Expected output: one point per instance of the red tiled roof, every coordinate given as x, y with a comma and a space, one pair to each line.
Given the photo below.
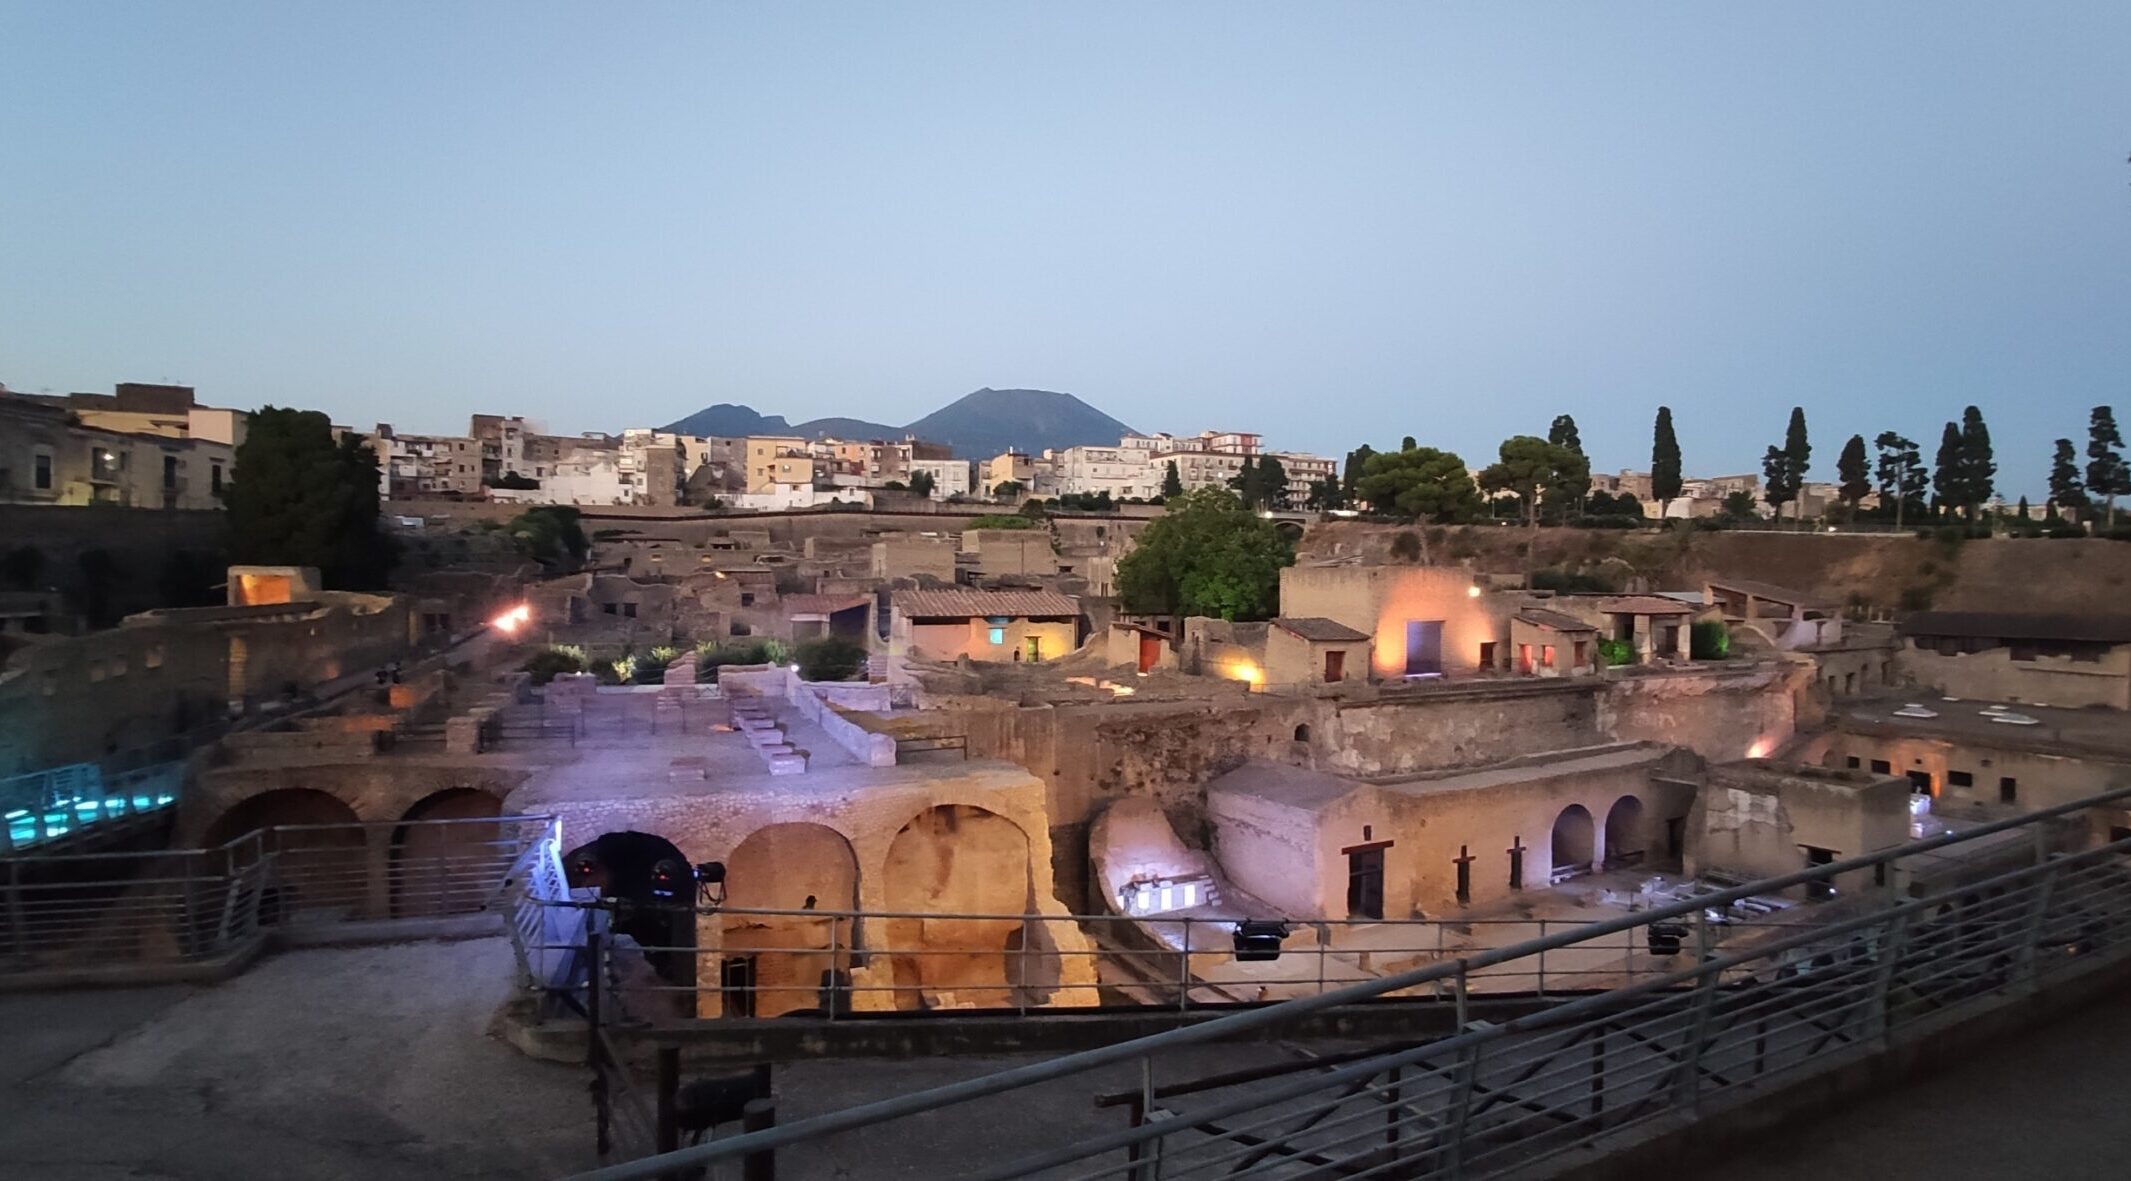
974, 604
1554, 620
821, 604
1320, 630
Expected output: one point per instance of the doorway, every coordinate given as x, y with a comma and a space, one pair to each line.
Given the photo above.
1035, 648
736, 980
1365, 882
1150, 651
1920, 783
1335, 667
1424, 647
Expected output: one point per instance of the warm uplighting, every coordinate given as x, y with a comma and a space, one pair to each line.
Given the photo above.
1246, 672
510, 621
1472, 592
1760, 748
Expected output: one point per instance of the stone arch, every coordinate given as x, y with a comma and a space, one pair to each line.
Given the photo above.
321, 862
441, 869
1574, 841
958, 859
1302, 731
794, 866
1627, 837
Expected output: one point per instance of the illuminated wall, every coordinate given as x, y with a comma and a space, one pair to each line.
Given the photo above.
1381, 600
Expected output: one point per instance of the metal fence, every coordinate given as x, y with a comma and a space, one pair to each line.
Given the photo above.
1936, 941
124, 914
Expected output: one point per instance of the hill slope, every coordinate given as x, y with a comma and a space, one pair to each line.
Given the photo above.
729, 421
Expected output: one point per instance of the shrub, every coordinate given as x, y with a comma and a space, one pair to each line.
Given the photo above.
616, 672
831, 658
1709, 640
710, 659
1615, 653
1569, 582
1406, 546
550, 663
1000, 521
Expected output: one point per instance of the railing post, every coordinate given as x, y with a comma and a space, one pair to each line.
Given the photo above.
760, 1115
2037, 917
1542, 958
602, 1140
1894, 943
669, 1084
1463, 1076
1183, 975
834, 998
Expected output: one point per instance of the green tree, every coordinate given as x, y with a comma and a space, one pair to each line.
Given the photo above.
1208, 555
2107, 476
1949, 486
1421, 484
1739, 506
2067, 489
830, 658
1357, 460
1325, 494
1664, 462
1407, 443
1563, 434
551, 534
1172, 482
1007, 489
1901, 473
1528, 465
1779, 481
299, 498
1979, 469
1272, 483
1570, 485
922, 484
1798, 457
1855, 472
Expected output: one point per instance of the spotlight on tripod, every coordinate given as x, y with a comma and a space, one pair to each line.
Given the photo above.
710, 883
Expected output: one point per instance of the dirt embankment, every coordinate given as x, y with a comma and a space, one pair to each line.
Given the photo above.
1869, 572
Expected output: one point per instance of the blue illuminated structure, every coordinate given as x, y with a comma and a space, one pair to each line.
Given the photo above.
47, 805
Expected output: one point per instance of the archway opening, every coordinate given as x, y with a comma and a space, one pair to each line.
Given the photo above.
956, 861
1626, 841
787, 962
320, 865
1574, 842
448, 854
1302, 732
656, 885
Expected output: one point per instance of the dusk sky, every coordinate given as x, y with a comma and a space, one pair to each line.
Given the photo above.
1332, 224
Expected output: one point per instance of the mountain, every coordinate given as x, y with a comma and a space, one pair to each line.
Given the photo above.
984, 423
729, 421
977, 425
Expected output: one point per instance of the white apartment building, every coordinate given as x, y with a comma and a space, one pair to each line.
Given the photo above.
1197, 469
950, 477
1120, 471
1302, 471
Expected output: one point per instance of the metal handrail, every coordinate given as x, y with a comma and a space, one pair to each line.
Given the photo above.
1231, 1026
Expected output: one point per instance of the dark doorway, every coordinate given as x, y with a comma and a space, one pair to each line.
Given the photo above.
1365, 882
736, 979
1824, 887
1487, 654
1464, 875
1516, 863
1424, 647
1920, 783
1335, 667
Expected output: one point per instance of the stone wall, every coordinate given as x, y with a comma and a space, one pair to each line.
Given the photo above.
1465, 728
1721, 715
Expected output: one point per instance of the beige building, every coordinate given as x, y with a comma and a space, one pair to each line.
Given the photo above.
45, 458
1755, 819
778, 459
1425, 620
414, 467
2061, 660
913, 557
1430, 846
1312, 651
1010, 551
1015, 466
946, 625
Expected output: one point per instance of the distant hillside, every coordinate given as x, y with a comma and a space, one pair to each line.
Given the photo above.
977, 425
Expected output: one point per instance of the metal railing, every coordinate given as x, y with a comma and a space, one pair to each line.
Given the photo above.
120, 912
1924, 942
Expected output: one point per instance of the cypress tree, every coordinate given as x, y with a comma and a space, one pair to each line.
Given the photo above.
1664, 462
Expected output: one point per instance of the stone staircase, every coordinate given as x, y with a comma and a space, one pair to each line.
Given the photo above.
759, 719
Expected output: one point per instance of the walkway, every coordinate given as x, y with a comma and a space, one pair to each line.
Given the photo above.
2048, 1106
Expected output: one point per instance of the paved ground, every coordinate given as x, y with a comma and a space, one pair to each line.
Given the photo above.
2050, 1106
354, 1063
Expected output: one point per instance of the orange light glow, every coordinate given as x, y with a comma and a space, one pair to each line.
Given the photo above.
510, 621
1760, 748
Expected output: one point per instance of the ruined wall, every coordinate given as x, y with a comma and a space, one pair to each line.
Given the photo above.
2038, 779
1720, 715
1433, 731
1993, 675
1269, 848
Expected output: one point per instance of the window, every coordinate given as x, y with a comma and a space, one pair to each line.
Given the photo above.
1580, 650
2008, 789
1546, 656
747, 598
997, 635
629, 610
1960, 779
1882, 767
43, 471
1853, 762
739, 628
170, 471
610, 608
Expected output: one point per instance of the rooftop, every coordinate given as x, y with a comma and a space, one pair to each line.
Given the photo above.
1554, 620
1319, 630
2099, 732
1766, 590
1644, 605
2018, 625
972, 604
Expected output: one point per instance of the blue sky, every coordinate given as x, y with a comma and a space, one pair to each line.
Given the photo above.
1329, 223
